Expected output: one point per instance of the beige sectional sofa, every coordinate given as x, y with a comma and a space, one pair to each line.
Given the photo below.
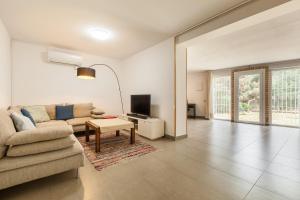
82, 113
49, 149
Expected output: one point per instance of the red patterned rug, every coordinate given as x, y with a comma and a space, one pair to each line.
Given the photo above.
113, 149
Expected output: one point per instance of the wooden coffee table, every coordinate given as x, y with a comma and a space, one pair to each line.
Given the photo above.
108, 125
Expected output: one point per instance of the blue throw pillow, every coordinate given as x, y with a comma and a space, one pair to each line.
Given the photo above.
64, 112
27, 114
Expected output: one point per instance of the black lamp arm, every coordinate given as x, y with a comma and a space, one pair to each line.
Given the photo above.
117, 78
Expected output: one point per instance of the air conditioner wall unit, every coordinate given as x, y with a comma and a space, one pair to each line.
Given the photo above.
64, 58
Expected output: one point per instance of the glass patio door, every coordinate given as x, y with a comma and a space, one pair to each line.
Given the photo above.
286, 97
221, 97
249, 96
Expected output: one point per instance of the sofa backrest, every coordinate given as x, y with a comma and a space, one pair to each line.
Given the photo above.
80, 110
7, 129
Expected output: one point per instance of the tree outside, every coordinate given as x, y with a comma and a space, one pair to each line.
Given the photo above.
249, 97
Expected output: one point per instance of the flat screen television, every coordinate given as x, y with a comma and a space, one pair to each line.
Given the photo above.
140, 104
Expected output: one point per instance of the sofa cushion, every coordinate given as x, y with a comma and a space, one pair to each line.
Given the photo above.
40, 147
7, 129
10, 163
64, 112
52, 123
39, 134
98, 111
38, 113
27, 114
78, 121
98, 116
78, 128
83, 110
21, 122
51, 110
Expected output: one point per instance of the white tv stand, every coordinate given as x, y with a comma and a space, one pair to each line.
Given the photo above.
151, 128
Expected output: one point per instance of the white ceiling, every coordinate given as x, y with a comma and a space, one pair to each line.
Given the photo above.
136, 24
276, 39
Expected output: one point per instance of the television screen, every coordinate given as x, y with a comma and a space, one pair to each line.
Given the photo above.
140, 104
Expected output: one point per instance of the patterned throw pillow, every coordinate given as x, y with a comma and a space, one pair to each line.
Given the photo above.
64, 112
27, 114
21, 122
38, 113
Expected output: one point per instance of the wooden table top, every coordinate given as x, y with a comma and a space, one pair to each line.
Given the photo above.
114, 124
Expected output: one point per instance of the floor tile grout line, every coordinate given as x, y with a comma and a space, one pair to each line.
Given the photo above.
254, 141
262, 171
265, 134
219, 146
243, 164
265, 169
280, 176
289, 157
207, 164
224, 171
238, 151
287, 198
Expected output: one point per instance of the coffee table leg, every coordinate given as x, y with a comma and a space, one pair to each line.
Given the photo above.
118, 133
132, 136
98, 140
87, 133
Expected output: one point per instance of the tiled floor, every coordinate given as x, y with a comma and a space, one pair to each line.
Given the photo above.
218, 161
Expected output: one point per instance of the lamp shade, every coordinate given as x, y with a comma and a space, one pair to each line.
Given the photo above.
86, 73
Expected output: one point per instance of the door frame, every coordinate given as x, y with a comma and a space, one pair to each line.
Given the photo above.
262, 102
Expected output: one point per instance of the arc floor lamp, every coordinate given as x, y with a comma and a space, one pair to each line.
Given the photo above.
90, 73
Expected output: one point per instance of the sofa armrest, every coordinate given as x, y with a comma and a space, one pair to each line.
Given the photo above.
40, 134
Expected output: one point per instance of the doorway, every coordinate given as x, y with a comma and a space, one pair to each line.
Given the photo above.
249, 96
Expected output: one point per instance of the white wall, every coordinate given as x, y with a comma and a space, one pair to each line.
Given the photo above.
197, 91
36, 81
181, 92
152, 72
5, 67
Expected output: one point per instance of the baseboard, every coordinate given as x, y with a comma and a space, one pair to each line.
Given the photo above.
197, 117
176, 138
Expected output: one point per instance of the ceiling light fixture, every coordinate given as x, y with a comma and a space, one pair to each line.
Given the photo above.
99, 33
